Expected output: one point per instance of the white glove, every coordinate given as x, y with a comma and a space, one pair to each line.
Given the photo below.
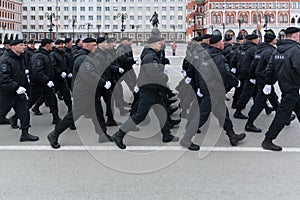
169, 83
136, 89
253, 81
199, 93
21, 90
267, 89
50, 84
121, 71
70, 75
63, 75
239, 84
26, 71
107, 85
233, 70
183, 72
166, 72
187, 80
135, 59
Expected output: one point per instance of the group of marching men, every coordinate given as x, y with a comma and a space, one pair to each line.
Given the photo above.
93, 69
252, 67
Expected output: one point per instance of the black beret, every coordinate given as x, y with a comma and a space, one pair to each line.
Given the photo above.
197, 39
228, 38
215, 39
269, 34
251, 37
46, 41
100, 39
30, 42
89, 40
6, 42
153, 39
15, 42
239, 37
68, 40
290, 30
206, 36
109, 40
59, 41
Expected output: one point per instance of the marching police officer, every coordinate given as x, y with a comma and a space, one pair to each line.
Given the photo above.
284, 66
257, 72
150, 82
6, 47
69, 60
245, 57
42, 76
13, 84
88, 83
62, 72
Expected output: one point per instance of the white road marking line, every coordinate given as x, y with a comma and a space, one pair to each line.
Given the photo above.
139, 148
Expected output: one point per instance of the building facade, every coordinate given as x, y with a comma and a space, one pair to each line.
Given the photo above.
10, 20
82, 18
238, 17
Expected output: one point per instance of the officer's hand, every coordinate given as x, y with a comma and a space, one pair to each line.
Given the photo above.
183, 72
187, 80
136, 89
169, 83
267, 89
70, 75
21, 90
233, 70
63, 75
107, 85
26, 71
199, 93
121, 70
50, 84
253, 81
239, 84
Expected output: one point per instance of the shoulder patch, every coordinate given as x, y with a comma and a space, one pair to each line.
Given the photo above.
4, 67
38, 62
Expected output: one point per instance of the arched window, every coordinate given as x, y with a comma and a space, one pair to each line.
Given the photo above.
255, 19
244, 19
293, 20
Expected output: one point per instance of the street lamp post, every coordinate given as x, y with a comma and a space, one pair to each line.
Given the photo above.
50, 16
88, 29
240, 22
174, 26
73, 20
223, 30
123, 17
194, 24
98, 27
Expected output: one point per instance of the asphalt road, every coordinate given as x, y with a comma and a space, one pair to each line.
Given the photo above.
150, 169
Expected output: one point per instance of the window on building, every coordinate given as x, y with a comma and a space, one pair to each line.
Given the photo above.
66, 26
180, 9
32, 17
74, 8
131, 17
66, 17
66, 8
99, 18
172, 17
107, 17
82, 8
163, 17
99, 8
41, 8
24, 17
164, 8
180, 17
115, 27
41, 27
24, 27
140, 17
107, 8
107, 27
32, 36
24, 8
179, 27
172, 8
148, 9
131, 9
41, 17
32, 8
140, 9
91, 17
164, 26
82, 17
49, 8
123, 9
32, 26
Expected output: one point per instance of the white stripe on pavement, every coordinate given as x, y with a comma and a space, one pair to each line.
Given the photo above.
139, 148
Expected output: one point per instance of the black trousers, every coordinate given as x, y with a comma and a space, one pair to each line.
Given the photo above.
290, 102
20, 105
260, 102
37, 90
247, 93
146, 100
84, 106
62, 86
107, 97
237, 93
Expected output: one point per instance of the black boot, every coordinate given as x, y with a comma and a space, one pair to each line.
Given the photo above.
235, 138
53, 140
189, 144
72, 126
56, 118
13, 120
251, 128
168, 137
268, 110
268, 145
112, 123
239, 115
118, 139
25, 136
36, 110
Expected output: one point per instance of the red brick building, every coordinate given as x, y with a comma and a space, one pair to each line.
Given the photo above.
234, 17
